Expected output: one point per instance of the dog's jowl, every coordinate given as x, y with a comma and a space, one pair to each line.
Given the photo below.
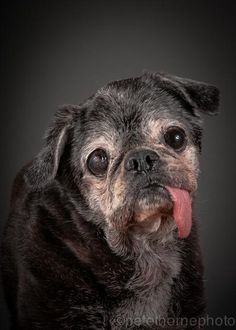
101, 233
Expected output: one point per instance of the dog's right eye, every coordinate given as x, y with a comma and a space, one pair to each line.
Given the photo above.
97, 162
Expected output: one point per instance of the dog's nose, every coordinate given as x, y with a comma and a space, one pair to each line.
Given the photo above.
141, 160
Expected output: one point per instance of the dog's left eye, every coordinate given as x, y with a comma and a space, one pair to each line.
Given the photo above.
175, 137
97, 162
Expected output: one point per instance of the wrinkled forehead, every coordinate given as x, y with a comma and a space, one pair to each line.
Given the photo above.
121, 114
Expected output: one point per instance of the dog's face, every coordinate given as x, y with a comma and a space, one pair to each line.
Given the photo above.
131, 146
130, 142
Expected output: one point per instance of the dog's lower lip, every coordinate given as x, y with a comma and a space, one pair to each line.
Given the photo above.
153, 184
153, 202
156, 188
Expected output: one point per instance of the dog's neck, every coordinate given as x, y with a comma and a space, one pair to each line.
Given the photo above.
154, 259
157, 264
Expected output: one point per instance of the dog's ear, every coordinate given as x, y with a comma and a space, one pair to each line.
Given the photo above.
45, 165
199, 95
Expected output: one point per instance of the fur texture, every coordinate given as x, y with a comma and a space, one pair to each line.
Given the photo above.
75, 253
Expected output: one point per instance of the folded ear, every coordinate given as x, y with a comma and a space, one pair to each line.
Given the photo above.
199, 95
45, 165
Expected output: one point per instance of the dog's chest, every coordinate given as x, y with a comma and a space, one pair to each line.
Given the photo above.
151, 285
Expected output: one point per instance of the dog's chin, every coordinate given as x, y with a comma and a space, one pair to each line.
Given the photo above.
153, 211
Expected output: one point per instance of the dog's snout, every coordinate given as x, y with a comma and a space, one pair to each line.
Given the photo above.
141, 160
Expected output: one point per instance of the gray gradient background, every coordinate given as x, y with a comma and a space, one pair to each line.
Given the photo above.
62, 52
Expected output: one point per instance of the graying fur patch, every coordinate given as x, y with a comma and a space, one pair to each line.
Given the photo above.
157, 264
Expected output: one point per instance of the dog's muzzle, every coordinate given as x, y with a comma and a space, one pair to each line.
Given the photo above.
155, 201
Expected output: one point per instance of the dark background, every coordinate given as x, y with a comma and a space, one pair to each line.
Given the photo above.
63, 51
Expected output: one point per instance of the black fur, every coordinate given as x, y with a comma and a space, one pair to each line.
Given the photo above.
59, 271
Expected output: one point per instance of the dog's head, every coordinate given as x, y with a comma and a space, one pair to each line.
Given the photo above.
133, 152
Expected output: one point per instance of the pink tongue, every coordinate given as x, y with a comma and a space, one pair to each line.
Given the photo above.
182, 210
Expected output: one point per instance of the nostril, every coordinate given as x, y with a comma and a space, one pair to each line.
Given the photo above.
135, 165
132, 165
149, 161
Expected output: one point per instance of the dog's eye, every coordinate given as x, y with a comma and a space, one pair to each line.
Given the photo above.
175, 137
97, 162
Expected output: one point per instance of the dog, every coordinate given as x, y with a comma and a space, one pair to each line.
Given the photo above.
101, 233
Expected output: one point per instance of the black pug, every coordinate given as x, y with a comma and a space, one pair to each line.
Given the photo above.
100, 233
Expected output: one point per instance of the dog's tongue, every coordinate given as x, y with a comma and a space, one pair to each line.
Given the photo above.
182, 210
